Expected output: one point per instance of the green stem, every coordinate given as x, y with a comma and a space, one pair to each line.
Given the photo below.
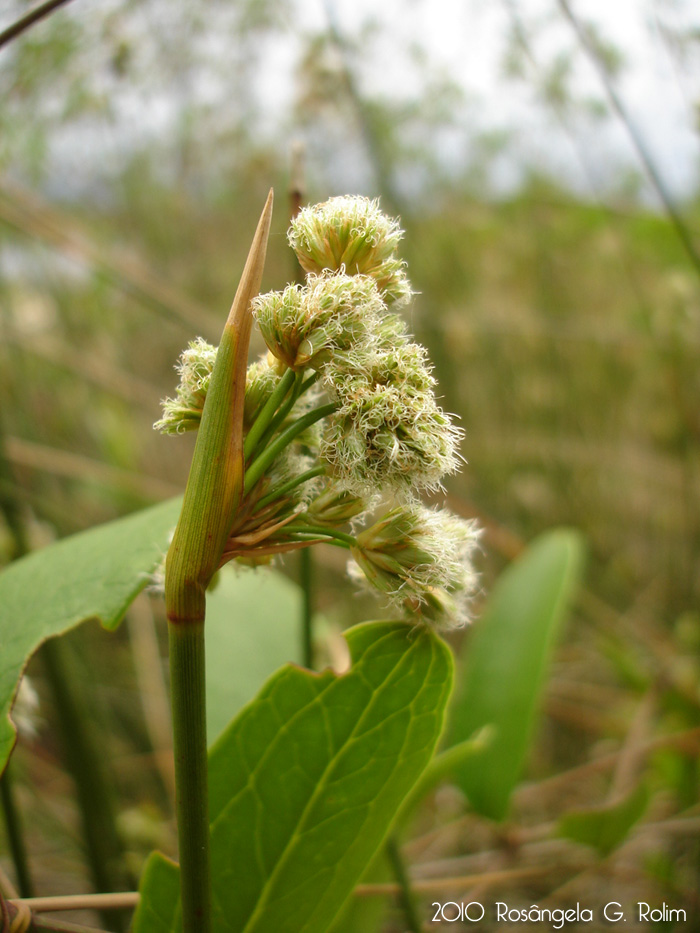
15, 836
407, 896
312, 379
340, 536
86, 766
299, 388
290, 485
212, 499
267, 413
301, 536
306, 577
188, 697
267, 456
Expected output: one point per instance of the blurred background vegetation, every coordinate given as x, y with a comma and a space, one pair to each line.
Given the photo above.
556, 261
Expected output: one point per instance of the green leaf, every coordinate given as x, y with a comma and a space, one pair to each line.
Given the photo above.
367, 913
160, 911
506, 661
305, 783
92, 575
605, 828
252, 629
441, 767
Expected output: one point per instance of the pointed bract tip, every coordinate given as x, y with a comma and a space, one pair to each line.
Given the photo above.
249, 285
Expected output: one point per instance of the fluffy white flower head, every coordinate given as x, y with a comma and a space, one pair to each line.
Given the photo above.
351, 234
421, 559
333, 312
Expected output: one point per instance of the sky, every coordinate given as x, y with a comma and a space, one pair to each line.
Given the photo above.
465, 41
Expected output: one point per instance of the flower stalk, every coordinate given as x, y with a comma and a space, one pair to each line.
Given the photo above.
294, 450
212, 498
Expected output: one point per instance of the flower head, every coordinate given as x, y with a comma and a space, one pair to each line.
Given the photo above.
184, 412
261, 378
333, 312
388, 431
312, 463
351, 234
420, 559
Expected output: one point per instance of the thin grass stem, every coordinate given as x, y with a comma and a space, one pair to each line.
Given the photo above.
267, 413
299, 389
407, 896
290, 485
256, 469
306, 580
313, 530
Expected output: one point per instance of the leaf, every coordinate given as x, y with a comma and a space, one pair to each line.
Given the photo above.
160, 912
306, 781
366, 913
92, 575
441, 767
506, 661
252, 629
605, 828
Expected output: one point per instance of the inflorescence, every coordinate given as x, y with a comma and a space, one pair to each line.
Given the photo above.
341, 414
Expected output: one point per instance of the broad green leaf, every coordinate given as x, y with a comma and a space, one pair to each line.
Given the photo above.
160, 912
443, 766
92, 575
306, 781
366, 914
253, 628
506, 661
605, 828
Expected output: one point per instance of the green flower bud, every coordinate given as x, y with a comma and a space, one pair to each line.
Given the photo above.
421, 559
335, 506
352, 235
279, 316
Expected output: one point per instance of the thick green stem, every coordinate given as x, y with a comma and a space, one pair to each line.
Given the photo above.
212, 498
188, 698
